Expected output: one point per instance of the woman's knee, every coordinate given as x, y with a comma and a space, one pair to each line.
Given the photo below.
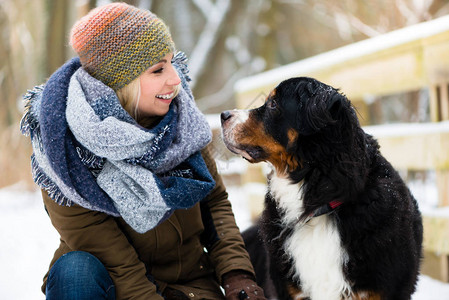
79, 275
78, 264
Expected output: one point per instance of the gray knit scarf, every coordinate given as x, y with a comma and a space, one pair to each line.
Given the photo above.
146, 173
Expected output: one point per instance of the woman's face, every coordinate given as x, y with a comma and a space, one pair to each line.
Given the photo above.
157, 88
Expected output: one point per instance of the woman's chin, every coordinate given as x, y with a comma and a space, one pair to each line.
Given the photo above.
165, 101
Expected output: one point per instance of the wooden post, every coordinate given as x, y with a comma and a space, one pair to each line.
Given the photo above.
445, 268
444, 102
442, 178
434, 100
439, 101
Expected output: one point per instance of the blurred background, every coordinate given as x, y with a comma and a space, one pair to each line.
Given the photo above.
225, 40
390, 57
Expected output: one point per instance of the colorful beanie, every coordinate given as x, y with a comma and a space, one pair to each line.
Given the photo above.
117, 42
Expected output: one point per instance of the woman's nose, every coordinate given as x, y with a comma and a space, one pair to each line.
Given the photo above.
173, 77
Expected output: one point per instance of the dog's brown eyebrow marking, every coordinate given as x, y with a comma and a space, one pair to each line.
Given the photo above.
292, 135
271, 94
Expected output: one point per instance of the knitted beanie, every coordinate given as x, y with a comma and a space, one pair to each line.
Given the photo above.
117, 42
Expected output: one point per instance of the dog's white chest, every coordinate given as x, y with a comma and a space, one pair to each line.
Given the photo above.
315, 248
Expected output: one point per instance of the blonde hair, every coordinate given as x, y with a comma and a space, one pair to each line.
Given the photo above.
129, 97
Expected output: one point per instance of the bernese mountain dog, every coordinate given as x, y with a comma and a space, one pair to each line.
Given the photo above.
339, 222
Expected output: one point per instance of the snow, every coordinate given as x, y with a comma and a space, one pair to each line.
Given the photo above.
345, 53
214, 121
29, 241
406, 129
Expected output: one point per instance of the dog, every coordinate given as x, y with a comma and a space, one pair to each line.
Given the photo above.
338, 220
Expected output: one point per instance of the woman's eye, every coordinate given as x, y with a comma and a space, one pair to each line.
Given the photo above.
158, 70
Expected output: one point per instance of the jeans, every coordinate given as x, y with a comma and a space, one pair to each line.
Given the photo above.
79, 275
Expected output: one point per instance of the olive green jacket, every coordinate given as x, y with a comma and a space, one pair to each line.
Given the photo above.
190, 251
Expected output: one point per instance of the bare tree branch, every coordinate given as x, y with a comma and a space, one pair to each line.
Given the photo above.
340, 16
442, 11
222, 96
423, 9
205, 6
363, 27
409, 15
145, 4
207, 38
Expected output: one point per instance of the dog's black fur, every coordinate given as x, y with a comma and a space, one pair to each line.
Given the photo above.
326, 150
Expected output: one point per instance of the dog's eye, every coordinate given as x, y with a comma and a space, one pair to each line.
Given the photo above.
272, 104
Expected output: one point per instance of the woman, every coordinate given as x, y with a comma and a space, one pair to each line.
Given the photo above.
120, 152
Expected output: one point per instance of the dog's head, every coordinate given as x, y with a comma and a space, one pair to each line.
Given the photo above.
302, 122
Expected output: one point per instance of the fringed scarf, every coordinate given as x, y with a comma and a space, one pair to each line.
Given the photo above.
89, 151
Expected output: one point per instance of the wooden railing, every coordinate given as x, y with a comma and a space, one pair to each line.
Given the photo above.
424, 147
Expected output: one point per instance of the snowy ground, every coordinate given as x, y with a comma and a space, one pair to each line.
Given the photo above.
28, 241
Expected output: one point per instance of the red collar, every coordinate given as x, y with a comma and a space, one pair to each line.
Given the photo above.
323, 209
326, 208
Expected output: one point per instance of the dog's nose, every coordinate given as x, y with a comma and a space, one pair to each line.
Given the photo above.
226, 115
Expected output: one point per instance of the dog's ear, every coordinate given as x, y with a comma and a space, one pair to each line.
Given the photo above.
335, 103
342, 112
315, 111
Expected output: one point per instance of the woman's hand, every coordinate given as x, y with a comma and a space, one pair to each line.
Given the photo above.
240, 285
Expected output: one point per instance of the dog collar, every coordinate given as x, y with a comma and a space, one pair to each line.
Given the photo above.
322, 210
326, 208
